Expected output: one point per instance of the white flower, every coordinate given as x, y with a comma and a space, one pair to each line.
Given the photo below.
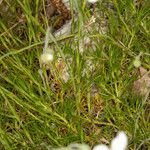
101, 147
46, 56
92, 1
137, 62
118, 143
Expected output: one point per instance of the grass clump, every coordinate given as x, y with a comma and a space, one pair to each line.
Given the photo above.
89, 108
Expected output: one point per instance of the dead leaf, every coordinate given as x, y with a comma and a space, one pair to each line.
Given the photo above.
1, 1
142, 85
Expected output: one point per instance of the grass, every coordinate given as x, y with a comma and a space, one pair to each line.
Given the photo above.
33, 116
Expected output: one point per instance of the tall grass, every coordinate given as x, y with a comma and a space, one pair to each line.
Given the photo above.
33, 115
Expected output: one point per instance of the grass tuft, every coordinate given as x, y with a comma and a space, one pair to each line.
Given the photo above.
89, 108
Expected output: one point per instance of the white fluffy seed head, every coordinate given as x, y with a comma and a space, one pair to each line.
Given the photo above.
47, 56
101, 147
137, 62
119, 142
92, 1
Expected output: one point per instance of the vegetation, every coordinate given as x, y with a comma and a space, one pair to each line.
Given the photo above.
89, 108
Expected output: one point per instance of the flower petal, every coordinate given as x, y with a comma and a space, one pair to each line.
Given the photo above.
120, 142
101, 147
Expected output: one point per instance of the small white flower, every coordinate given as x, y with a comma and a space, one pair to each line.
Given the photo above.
120, 142
101, 147
92, 1
46, 56
137, 62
